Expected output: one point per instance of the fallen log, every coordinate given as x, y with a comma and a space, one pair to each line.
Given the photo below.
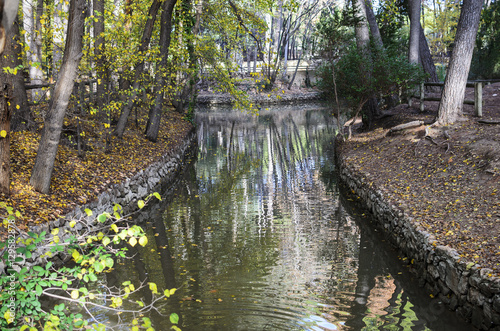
405, 126
489, 121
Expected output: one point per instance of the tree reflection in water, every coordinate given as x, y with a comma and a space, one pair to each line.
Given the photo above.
256, 236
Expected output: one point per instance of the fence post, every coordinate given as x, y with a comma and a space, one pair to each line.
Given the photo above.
478, 98
82, 95
422, 97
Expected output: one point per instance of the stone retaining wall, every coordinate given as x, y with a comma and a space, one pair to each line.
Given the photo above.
225, 98
471, 291
126, 194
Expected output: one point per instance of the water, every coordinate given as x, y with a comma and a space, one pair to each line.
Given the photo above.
256, 236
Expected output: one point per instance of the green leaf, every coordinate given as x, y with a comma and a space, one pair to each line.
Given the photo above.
37, 268
102, 218
174, 318
140, 203
109, 262
38, 290
88, 212
157, 195
147, 322
98, 266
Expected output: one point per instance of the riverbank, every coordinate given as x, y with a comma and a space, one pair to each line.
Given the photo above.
438, 199
273, 97
78, 180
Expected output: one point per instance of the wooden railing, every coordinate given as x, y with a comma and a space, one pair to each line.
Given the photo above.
477, 102
79, 91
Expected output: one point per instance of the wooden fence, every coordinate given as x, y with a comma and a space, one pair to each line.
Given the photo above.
477, 102
79, 91
478, 94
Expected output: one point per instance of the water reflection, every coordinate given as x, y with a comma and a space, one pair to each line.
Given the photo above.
257, 237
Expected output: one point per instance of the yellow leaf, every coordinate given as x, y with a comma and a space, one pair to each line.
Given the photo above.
132, 241
72, 224
9, 316
75, 294
114, 228
76, 255
153, 288
143, 241
3, 133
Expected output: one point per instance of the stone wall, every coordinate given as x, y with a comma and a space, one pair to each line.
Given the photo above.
466, 288
206, 98
127, 193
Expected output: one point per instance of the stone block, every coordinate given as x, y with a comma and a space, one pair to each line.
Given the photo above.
463, 285
476, 297
452, 276
496, 303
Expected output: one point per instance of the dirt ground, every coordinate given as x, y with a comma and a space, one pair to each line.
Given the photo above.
449, 184
78, 180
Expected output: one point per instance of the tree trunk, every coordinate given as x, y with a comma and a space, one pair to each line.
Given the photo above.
49, 141
370, 16
370, 108
8, 13
59, 29
146, 37
160, 79
413, 49
31, 53
426, 58
99, 57
5, 114
22, 118
452, 99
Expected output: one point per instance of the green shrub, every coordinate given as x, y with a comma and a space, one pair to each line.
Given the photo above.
92, 253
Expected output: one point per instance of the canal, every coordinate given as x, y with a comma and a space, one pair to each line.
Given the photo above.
257, 235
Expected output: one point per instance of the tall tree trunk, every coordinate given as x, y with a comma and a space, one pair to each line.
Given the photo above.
48, 44
8, 13
59, 29
426, 58
160, 77
370, 108
5, 115
370, 16
139, 68
6, 60
47, 150
452, 99
186, 97
99, 57
22, 118
36, 72
413, 49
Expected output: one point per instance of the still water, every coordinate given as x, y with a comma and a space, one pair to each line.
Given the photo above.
257, 236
